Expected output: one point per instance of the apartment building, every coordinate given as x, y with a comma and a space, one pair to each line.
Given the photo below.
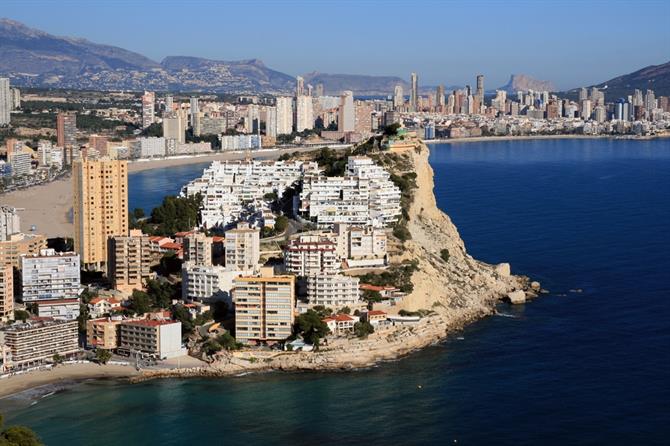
18, 245
157, 338
333, 290
311, 254
60, 309
50, 275
208, 283
103, 333
36, 342
198, 249
264, 307
10, 223
242, 247
6, 293
129, 261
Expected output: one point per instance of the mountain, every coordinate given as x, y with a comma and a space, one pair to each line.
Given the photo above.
361, 85
522, 82
34, 58
654, 77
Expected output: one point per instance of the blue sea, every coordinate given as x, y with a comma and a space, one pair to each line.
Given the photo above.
587, 364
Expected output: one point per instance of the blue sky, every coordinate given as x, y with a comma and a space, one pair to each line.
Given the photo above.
569, 42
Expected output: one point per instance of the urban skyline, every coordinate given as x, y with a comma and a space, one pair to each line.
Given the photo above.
444, 59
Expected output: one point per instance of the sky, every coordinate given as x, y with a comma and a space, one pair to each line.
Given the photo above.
569, 42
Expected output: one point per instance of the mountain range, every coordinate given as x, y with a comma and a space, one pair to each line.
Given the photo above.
34, 58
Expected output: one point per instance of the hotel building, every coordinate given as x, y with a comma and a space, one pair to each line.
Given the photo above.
37, 341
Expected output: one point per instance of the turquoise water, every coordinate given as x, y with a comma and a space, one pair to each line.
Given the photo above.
589, 367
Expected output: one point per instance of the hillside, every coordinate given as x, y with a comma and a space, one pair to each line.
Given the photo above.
654, 77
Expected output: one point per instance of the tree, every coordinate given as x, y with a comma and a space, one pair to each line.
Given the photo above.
138, 213
155, 129
311, 327
228, 342
103, 355
219, 310
281, 223
139, 302
57, 359
345, 310
363, 329
445, 255
391, 130
21, 315
18, 436
160, 293
170, 264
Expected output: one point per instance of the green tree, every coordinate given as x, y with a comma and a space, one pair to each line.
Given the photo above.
170, 264
139, 302
21, 315
18, 436
391, 130
311, 327
57, 359
155, 129
363, 329
138, 213
281, 223
228, 342
103, 355
160, 293
346, 310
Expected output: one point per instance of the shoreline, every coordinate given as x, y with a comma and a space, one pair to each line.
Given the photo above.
535, 137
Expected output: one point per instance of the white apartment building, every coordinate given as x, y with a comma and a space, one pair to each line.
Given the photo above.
208, 283
10, 223
333, 290
310, 255
284, 115
242, 248
361, 246
157, 338
21, 163
366, 196
50, 275
240, 142
5, 101
304, 114
150, 147
61, 309
346, 121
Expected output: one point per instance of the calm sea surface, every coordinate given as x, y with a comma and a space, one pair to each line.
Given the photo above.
578, 368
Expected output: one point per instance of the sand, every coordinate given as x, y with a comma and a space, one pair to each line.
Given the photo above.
65, 373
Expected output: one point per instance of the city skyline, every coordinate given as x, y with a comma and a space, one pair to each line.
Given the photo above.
449, 55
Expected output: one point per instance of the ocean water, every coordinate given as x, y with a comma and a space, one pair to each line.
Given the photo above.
587, 364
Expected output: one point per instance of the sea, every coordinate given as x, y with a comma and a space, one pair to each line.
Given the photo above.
586, 364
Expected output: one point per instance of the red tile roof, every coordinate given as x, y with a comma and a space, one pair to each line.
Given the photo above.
57, 302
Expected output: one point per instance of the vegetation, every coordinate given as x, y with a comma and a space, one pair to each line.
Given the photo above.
223, 342
401, 232
103, 356
212, 139
21, 315
420, 313
333, 163
363, 329
181, 314
444, 254
84, 314
398, 276
17, 436
290, 137
158, 296
57, 359
175, 214
371, 296
155, 129
311, 327
391, 130
169, 264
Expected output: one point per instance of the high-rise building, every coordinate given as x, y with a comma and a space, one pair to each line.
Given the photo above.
271, 121
100, 207
583, 94
36, 342
50, 275
6, 293
157, 338
99, 144
439, 98
263, 307
299, 86
169, 103
242, 246
398, 97
10, 223
195, 116
5, 101
198, 249
66, 130
304, 116
311, 254
129, 261
414, 92
363, 118
320, 90
346, 119
284, 115
16, 98
480, 88
173, 127
148, 108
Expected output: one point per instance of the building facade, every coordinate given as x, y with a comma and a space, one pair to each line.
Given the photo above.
157, 338
242, 246
333, 290
129, 261
36, 342
50, 275
10, 223
6, 293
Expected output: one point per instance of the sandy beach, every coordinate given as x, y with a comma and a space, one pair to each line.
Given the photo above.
65, 373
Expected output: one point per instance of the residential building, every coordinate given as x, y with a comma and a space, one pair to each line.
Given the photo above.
341, 324
310, 255
174, 127
50, 275
5, 101
333, 290
6, 293
195, 116
60, 309
100, 207
99, 144
21, 163
208, 283
264, 307
35, 342
198, 249
103, 333
240, 142
304, 115
129, 261
66, 130
100, 306
414, 92
10, 223
346, 121
148, 109
363, 124
150, 147
18, 245
398, 97
157, 338
284, 115
242, 247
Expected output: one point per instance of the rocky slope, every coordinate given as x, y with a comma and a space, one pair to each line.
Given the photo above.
522, 82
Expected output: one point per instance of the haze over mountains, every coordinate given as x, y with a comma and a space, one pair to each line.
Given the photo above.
35, 58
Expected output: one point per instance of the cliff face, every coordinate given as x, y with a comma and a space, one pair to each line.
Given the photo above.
456, 286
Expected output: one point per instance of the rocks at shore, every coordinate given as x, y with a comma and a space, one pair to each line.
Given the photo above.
517, 297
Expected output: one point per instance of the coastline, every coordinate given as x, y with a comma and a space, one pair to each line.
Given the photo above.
534, 137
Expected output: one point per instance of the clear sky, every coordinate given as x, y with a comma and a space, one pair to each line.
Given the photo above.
569, 42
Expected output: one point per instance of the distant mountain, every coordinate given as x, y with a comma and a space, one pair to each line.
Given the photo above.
521, 82
34, 58
654, 77
361, 85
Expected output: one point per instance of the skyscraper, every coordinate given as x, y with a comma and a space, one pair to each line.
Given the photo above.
173, 127
398, 97
66, 129
414, 93
480, 89
319, 89
100, 207
439, 98
271, 121
304, 116
346, 118
195, 116
148, 116
299, 86
169, 103
5, 101
284, 115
